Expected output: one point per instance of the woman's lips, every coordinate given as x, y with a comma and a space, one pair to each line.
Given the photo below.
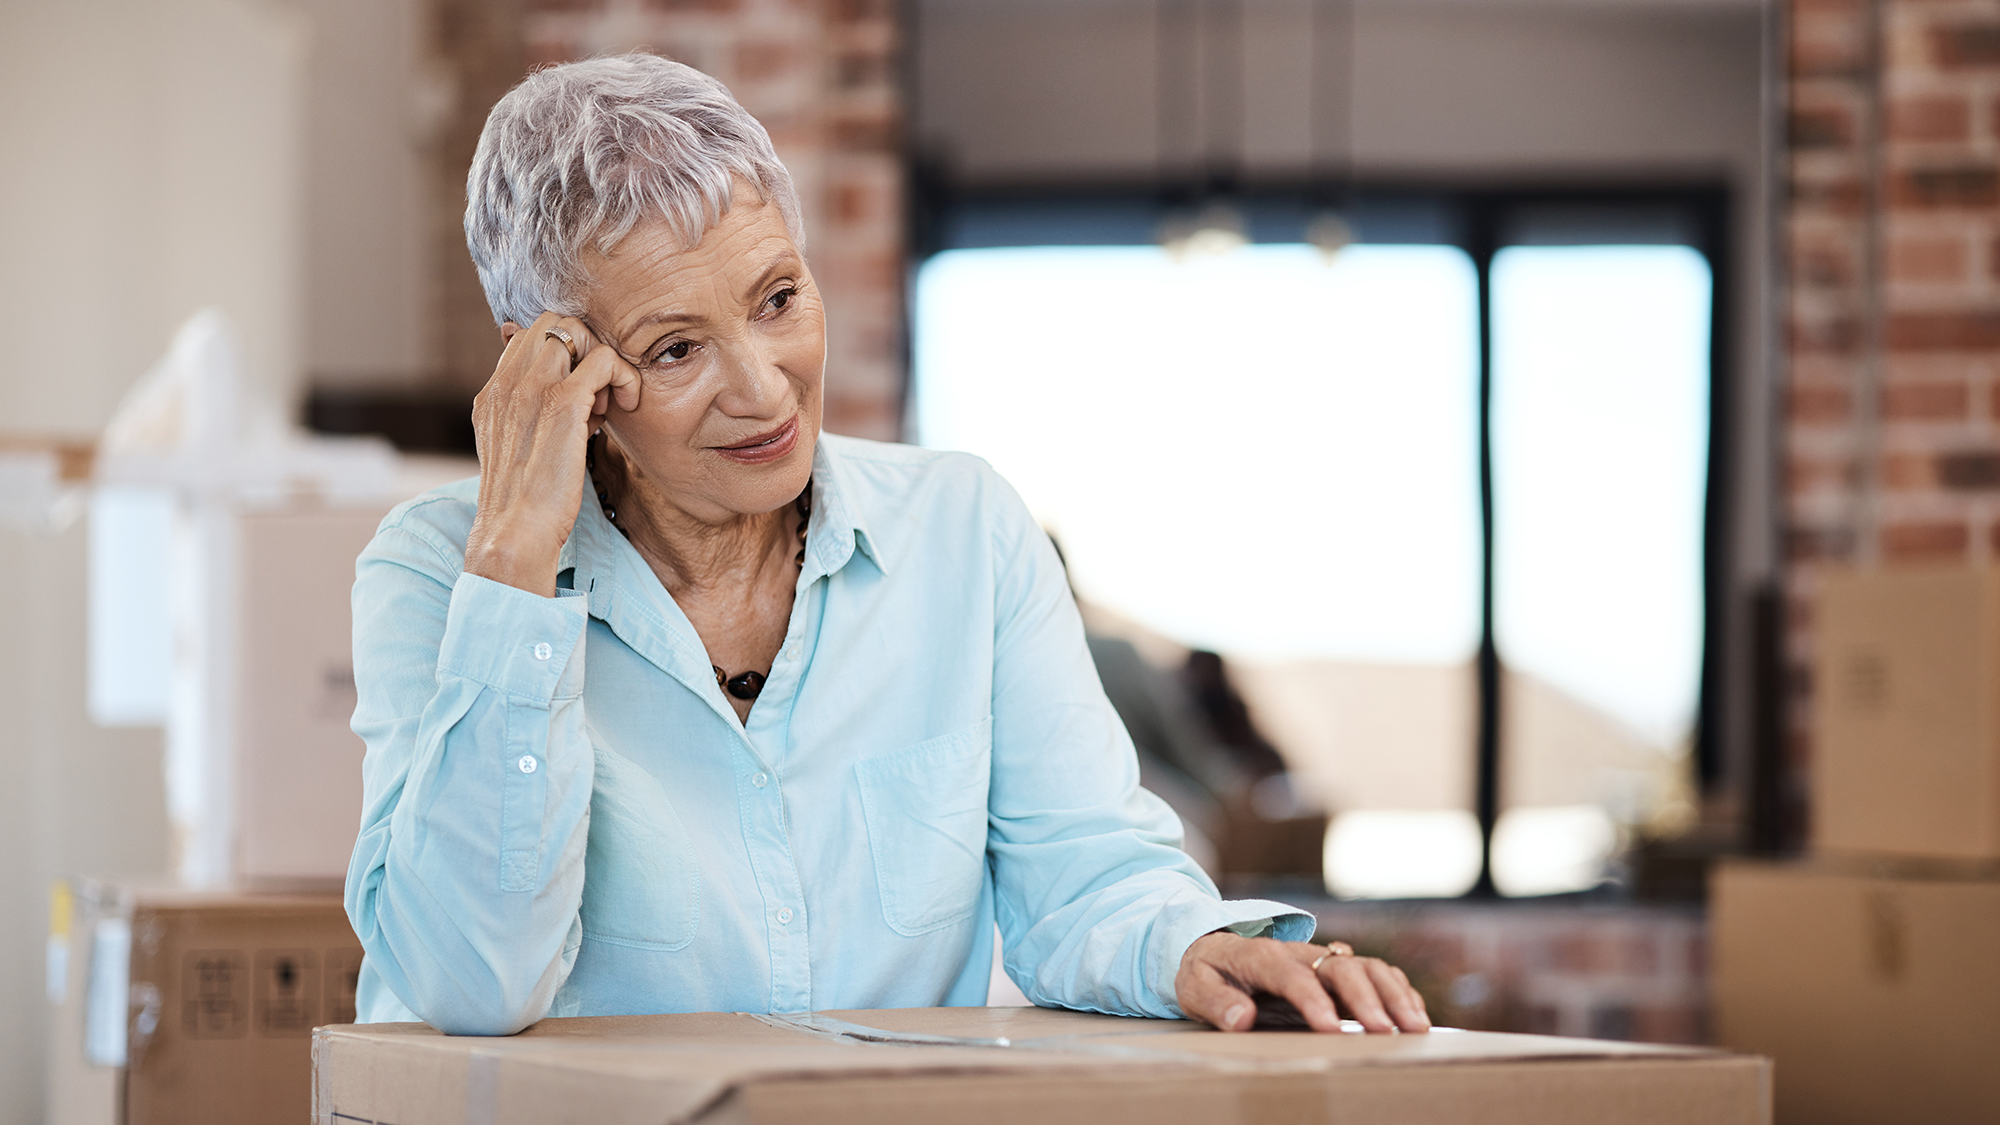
763, 448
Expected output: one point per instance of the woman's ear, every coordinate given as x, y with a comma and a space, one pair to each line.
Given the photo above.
507, 331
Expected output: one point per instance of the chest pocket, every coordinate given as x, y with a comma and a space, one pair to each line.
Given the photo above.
641, 887
926, 811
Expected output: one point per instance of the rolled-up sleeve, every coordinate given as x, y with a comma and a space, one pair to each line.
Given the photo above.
1095, 899
467, 877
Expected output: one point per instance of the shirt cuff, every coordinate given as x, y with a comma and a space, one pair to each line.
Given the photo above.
513, 641
1196, 916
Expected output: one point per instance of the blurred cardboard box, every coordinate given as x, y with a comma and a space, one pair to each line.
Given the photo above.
1010, 1065
298, 766
176, 1007
1876, 995
1906, 756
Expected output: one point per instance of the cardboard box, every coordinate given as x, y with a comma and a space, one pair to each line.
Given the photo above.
1877, 996
1012, 1065
1906, 757
179, 1006
298, 766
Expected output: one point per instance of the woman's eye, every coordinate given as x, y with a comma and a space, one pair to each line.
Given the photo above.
780, 299
677, 350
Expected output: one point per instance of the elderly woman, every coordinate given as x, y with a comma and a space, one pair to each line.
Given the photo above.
684, 706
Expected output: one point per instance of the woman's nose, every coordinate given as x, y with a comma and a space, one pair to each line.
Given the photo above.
753, 383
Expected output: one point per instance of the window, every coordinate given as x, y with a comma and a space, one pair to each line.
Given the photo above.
1275, 452
1600, 468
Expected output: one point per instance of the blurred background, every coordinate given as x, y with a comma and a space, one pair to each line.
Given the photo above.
1445, 408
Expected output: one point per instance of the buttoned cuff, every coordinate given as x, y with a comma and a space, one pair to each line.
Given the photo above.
513, 641
1249, 917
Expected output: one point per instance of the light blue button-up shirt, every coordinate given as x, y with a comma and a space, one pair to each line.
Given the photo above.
563, 815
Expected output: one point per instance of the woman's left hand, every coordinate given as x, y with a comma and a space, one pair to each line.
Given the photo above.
1222, 972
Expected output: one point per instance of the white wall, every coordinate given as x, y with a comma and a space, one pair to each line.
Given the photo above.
148, 167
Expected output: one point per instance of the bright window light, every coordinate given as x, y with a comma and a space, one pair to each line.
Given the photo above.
1552, 850
1402, 853
1600, 434
1257, 453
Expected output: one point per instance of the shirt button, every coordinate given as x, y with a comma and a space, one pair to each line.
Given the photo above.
784, 915
760, 779
792, 653
527, 763
543, 651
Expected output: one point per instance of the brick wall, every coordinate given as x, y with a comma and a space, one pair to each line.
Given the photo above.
822, 77
1893, 436
1606, 972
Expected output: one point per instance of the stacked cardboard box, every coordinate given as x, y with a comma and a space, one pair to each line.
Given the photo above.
1871, 972
181, 1006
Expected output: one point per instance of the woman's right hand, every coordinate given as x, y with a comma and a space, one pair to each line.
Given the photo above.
532, 423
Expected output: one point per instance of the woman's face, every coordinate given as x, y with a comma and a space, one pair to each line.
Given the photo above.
729, 338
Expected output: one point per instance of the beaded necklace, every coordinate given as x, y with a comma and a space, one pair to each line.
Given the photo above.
743, 685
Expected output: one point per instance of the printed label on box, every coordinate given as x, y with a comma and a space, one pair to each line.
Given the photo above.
287, 992
215, 987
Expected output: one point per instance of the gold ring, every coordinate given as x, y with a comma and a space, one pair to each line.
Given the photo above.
1333, 949
567, 342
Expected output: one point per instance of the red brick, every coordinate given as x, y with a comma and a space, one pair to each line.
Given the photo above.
1835, 334
1811, 544
1969, 470
1818, 404
1967, 45
1908, 472
1823, 262
1928, 258
762, 59
857, 68
1828, 37
1822, 127
853, 202
866, 134
866, 416
1928, 539
1942, 117
1843, 196
1925, 402
1810, 474
1970, 330
1967, 185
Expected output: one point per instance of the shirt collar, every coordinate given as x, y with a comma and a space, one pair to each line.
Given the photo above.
597, 548
838, 526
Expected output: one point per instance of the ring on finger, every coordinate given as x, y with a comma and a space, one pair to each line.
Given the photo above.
1333, 949
562, 336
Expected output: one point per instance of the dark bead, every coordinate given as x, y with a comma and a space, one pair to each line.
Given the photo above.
747, 685
721, 677
611, 513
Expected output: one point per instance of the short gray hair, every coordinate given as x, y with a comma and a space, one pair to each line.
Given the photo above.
579, 154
